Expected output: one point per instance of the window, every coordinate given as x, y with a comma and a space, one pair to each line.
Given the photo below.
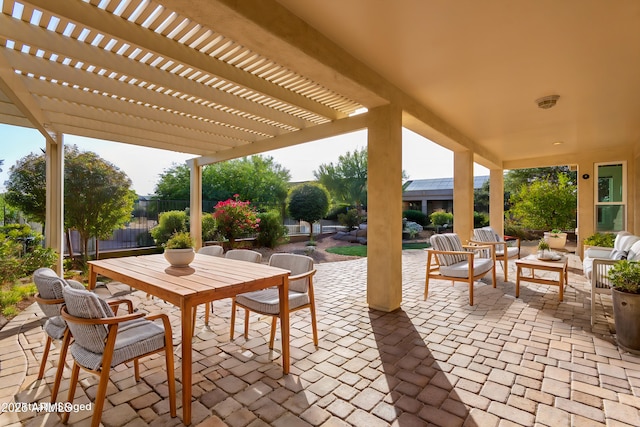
611, 196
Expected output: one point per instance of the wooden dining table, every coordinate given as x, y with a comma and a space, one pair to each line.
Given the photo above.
206, 279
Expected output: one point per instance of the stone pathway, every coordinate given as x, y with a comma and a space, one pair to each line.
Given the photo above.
503, 362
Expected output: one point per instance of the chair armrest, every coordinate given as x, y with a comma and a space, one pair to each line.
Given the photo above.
309, 273
490, 246
475, 244
45, 301
598, 252
165, 320
101, 321
513, 239
114, 304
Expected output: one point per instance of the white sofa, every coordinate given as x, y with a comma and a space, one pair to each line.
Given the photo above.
597, 261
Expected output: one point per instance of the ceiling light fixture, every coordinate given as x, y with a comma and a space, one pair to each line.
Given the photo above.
558, 143
547, 102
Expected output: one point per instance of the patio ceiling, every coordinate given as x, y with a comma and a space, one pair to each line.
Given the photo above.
222, 78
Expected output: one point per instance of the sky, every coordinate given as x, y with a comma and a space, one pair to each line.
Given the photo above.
421, 158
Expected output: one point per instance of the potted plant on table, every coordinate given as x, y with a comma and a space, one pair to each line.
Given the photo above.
179, 249
624, 277
544, 250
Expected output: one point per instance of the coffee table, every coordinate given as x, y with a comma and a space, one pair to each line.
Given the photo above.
532, 263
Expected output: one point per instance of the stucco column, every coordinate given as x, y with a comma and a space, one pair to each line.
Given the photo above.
496, 200
384, 209
195, 215
54, 215
463, 194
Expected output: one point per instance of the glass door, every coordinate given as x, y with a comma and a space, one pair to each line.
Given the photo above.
611, 196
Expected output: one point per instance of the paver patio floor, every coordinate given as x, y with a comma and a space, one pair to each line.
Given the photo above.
505, 361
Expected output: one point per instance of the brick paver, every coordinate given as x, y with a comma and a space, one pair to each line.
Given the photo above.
505, 361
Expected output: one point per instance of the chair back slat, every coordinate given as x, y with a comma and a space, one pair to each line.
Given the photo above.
448, 242
486, 234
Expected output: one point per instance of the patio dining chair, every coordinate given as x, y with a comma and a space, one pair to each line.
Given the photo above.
240, 255
449, 259
505, 247
214, 250
267, 301
103, 340
50, 301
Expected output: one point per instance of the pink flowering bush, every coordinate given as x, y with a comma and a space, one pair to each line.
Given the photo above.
235, 218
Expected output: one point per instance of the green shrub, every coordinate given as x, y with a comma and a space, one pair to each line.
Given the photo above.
170, 222
625, 276
209, 227
10, 297
416, 216
10, 311
440, 218
350, 219
336, 210
271, 231
145, 239
480, 219
413, 228
21, 252
605, 240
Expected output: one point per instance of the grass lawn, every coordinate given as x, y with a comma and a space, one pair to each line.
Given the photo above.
361, 250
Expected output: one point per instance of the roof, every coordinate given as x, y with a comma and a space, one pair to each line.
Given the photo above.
436, 184
226, 78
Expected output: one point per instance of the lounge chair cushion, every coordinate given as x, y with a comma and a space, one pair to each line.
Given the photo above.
267, 301
461, 269
634, 252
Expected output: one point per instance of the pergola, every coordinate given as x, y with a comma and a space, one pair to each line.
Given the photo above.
222, 79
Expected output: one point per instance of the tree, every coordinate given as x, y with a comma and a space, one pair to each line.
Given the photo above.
347, 179
97, 195
26, 189
516, 178
546, 204
256, 178
98, 198
308, 202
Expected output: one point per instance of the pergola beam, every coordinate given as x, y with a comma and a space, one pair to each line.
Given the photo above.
121, 92
338, 127
16, 91
192, 136
37, 37
137, 35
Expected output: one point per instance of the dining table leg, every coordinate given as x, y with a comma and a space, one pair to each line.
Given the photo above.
187, 333
284, 324
93, 277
